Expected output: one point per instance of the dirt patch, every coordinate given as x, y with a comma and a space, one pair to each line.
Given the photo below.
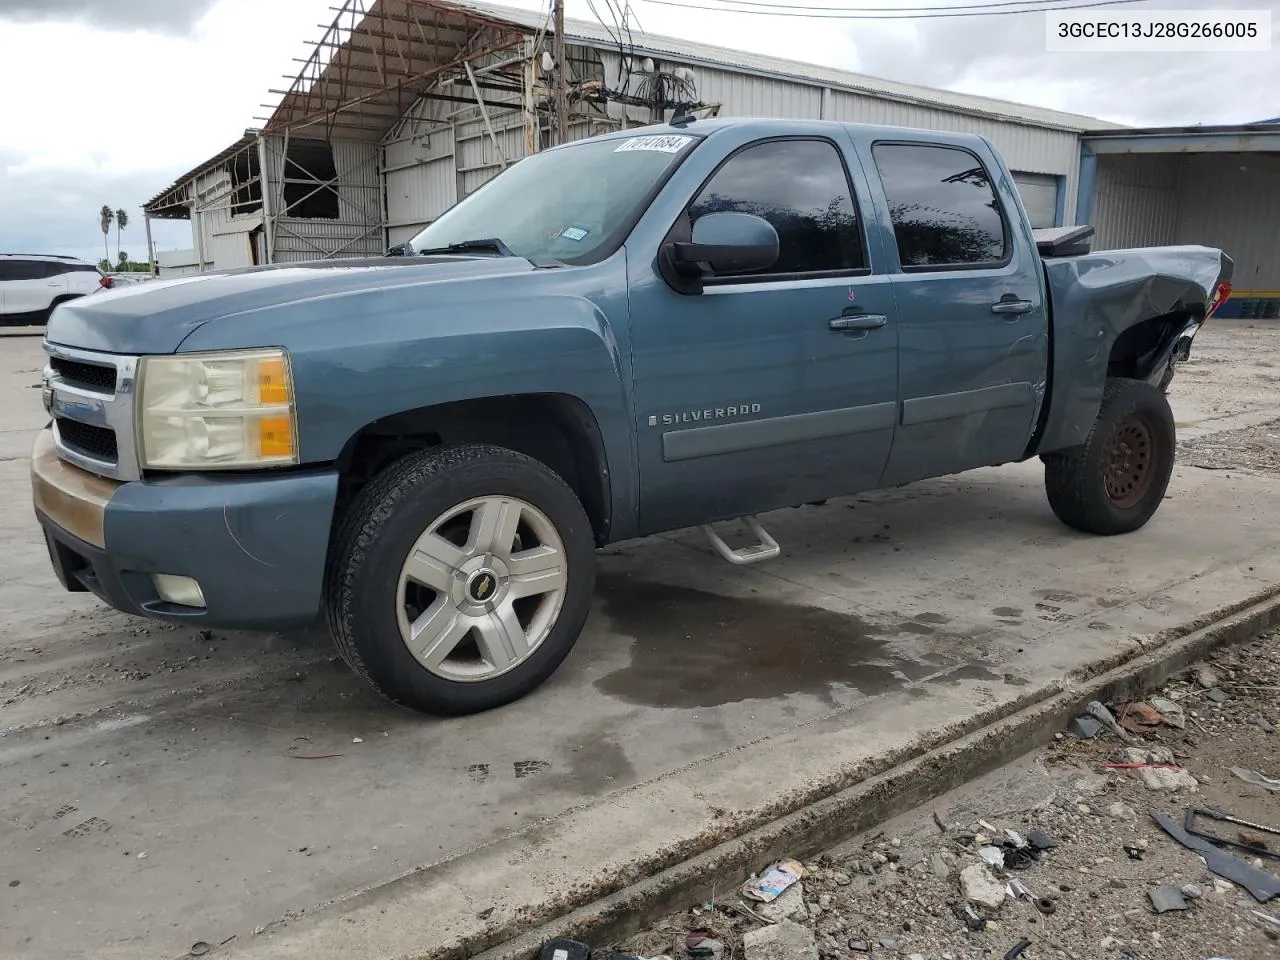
1249, 450
899, 892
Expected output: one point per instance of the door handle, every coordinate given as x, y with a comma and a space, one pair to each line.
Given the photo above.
862, 322
1012, 305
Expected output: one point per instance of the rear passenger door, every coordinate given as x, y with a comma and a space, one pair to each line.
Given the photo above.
33, 285
972, 321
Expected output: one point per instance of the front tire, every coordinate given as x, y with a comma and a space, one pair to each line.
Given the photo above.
1116, 480
460, 579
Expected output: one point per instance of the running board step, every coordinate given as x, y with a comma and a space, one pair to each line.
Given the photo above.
766, 548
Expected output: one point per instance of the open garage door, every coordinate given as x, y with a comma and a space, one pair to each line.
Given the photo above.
1039, 193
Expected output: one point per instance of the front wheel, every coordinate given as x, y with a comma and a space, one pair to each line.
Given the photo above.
461, 579
1116, 480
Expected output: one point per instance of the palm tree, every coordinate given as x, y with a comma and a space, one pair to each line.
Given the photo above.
107, 216
122, 221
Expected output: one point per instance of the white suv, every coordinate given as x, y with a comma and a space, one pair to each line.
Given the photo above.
31, 286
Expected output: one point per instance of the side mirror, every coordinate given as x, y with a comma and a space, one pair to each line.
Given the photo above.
727, 243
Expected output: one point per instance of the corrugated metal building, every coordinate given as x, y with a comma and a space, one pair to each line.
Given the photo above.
1217, 186
407, 106
1041, 146
381, 131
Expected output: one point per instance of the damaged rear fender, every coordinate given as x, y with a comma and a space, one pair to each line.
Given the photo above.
1120, 313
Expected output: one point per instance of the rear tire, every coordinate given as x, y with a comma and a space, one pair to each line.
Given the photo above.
1116, 480
460, 579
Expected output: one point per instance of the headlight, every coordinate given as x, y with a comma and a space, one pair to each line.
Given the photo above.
208, 411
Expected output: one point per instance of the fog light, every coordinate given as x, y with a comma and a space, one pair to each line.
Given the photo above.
180, 590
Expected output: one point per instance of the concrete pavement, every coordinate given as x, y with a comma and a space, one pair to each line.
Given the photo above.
703, 699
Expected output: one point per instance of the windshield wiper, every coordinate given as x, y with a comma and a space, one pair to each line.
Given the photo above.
464, 246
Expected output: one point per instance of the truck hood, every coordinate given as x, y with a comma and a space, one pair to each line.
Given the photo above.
156, 316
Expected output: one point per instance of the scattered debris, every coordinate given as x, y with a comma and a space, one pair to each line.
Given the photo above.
1216, 695
1263, 724
941, 868
1193, 891
1039, 840
561, 949
1165, 898
357, 740
1139, 717
782, 941
1156, 769
773, 882
993, 856
1100, 713
1205, 676
788, 905
966, 914
1261, 885
700, 945
1086, 728
1256, 779
199, 949
1245, 842
1170, 712
980, 887
1017, 949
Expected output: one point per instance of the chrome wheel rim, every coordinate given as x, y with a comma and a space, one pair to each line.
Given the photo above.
481, 588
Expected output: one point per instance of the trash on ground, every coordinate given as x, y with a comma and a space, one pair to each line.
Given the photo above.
1155, 767
1262, 886
1017, 949
1139, 717
1165, 898
562, 949
782, 941
1170, 712
1039, 840
700, 945
199, 948
969, 917
773, 882
1256, 779
993, 856
980, 887
790, 903
1133, 851
1245, 841
1086, 728
1100, 713
1266, 917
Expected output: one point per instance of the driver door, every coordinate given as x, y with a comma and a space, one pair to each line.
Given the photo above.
778, 387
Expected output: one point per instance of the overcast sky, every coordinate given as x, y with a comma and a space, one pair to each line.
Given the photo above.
106, 101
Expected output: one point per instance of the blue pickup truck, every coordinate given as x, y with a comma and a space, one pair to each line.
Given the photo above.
654, 329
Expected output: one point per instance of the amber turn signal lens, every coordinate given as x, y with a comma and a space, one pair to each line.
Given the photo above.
275, 437
273, 385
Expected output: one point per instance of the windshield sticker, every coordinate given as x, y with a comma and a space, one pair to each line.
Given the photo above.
575, 233
667, 144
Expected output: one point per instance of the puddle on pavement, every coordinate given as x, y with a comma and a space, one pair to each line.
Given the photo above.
692, 649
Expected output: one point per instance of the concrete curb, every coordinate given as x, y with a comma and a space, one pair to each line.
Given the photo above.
821, 823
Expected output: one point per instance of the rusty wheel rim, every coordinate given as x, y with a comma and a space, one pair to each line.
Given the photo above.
1128, 462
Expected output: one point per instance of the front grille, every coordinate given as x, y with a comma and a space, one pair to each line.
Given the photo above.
86, 375
96, 442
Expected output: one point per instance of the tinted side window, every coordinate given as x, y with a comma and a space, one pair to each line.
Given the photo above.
799, 186
25, 270
942, 203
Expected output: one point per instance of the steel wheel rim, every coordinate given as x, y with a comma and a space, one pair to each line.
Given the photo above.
1128, 462
481, 588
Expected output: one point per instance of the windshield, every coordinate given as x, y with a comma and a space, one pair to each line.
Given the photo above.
573, 204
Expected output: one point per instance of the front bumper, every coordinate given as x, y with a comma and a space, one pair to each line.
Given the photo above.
257, 545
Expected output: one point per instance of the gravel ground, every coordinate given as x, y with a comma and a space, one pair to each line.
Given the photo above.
897, 893
1248, 450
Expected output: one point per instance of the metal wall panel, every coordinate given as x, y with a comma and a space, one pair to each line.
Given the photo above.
1039, 193
1135, 200
1232, 201
421, 182
359, 229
